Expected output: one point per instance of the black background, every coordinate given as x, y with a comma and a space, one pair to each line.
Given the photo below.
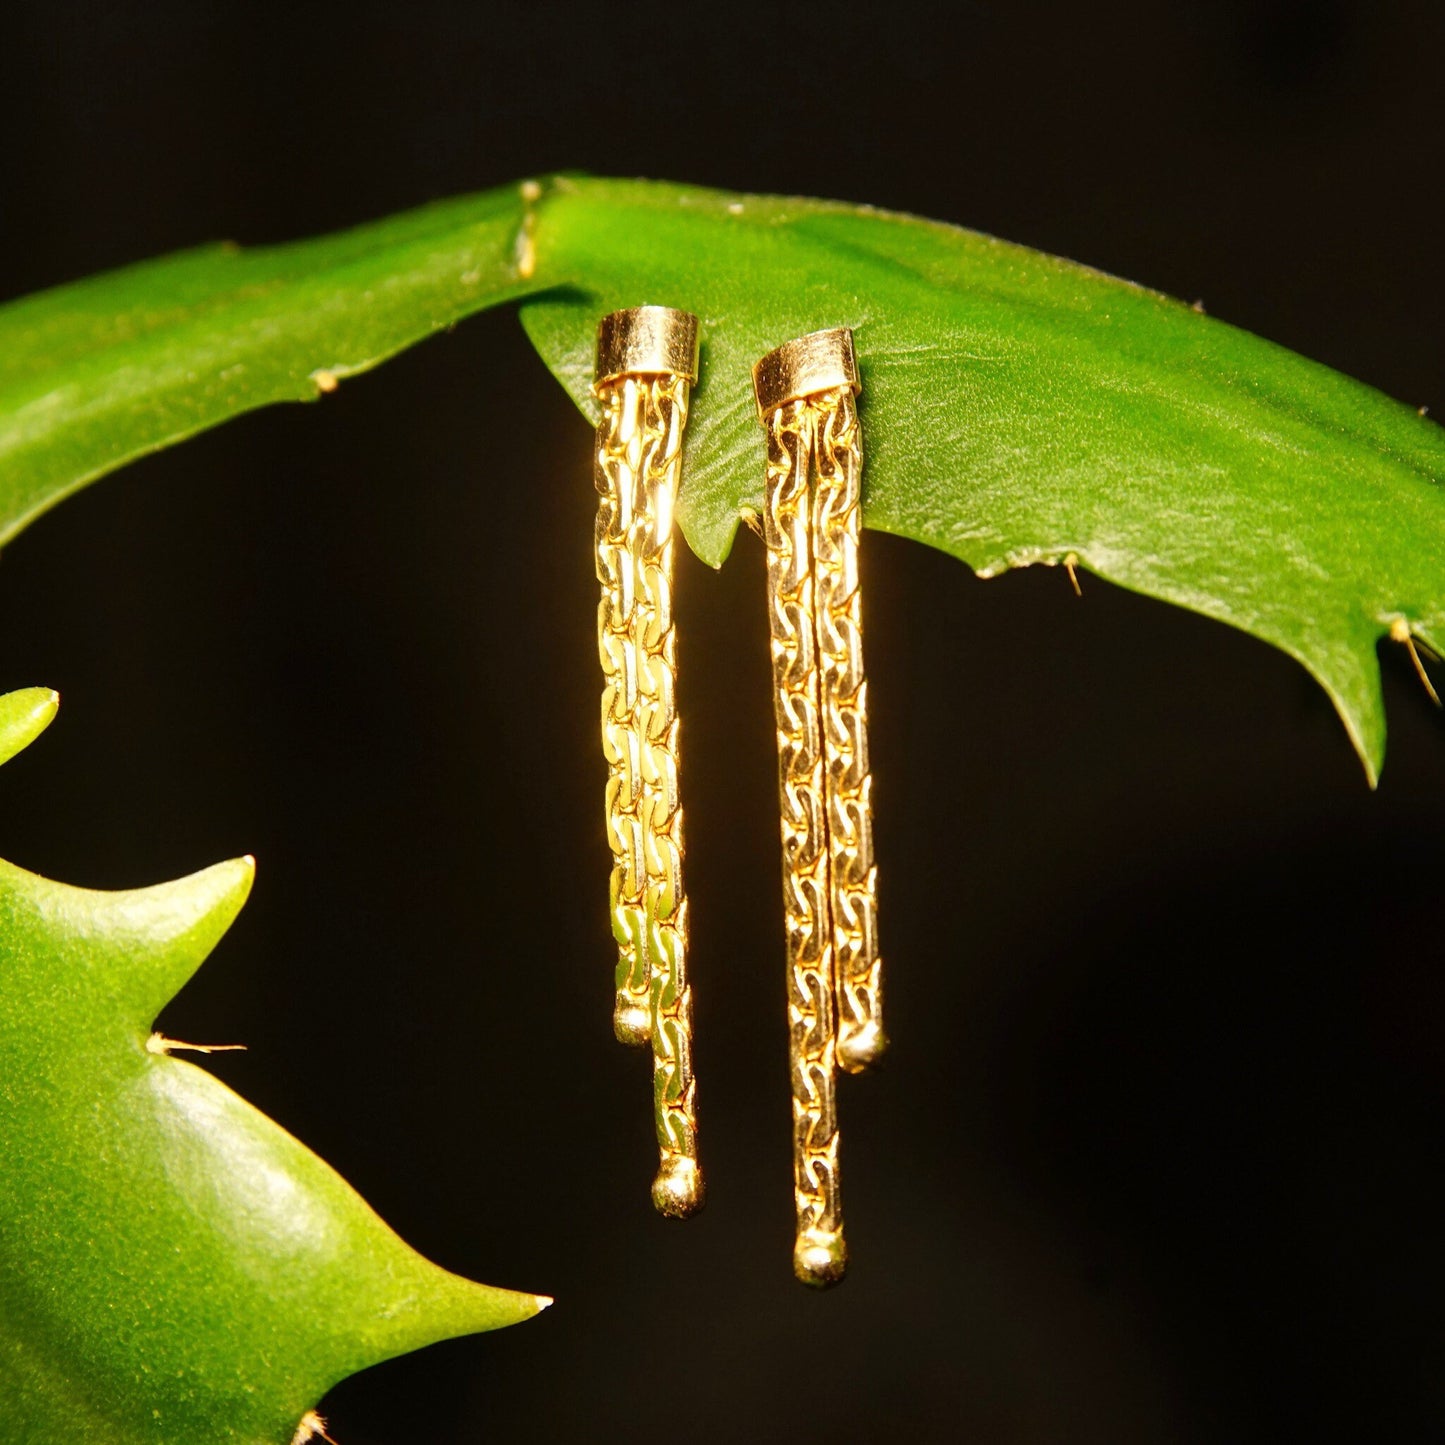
1157, 1155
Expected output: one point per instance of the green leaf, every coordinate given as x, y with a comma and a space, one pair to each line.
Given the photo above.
95, 374
1016, 409
175, 1269
24, 716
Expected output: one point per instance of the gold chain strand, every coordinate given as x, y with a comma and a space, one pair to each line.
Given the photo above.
650, 354
819, 1252
678, 1188
838, 454
620, 439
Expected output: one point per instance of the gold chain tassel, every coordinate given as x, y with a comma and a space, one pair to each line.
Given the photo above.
811, 518
646, 363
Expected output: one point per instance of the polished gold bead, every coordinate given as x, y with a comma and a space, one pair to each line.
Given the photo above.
820, 1257
861, 1048
678, 1189
631, 1022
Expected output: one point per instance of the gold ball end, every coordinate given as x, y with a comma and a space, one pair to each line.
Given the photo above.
632, 1023
860, 1049
820, 1258
646, 341
678, 1189
820, 361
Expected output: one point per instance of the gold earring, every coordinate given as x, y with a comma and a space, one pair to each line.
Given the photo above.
805, 394
646, 365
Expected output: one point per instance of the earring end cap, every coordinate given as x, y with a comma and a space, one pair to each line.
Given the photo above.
820, 361
646, 341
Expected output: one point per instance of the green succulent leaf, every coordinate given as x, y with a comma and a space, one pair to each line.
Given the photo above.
1017, 408
175, 1269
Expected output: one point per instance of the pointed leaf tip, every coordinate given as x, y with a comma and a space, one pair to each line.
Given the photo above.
24, 715
214, 1274
173, 928
443, 1306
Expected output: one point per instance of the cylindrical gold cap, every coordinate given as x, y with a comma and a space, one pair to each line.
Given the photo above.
646, 341
820, 361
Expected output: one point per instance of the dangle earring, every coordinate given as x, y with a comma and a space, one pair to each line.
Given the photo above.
811, 517
646, 365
